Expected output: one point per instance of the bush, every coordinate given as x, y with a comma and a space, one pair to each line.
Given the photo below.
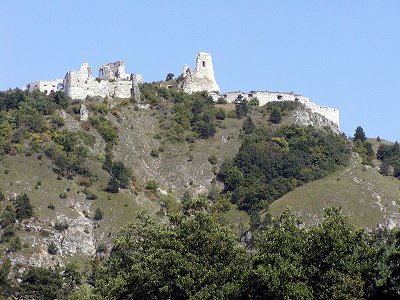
51, 206
61, 226
15, 244
63, 195
154, 153
98, 214
275, 116
152, 186
90, 195
52, 248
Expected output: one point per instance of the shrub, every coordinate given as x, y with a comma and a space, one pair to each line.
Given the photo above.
90, 195
63, 195
52, 248
51, 206
152, 186
14, 244
101, 248
98, 214
154, 153
61, 226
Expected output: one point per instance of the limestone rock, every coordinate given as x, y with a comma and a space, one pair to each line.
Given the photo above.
84, 113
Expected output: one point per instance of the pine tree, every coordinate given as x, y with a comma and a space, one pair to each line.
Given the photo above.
359, 135
23, 207
248, 125
241, 107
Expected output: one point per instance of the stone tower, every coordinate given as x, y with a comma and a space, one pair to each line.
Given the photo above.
202, 78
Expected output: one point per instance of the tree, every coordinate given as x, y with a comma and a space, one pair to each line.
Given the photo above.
241, 106
121, 174
275, 115
337, 257
5, 284
113, 185
23, 207
169, 77
41, 283
248, 126
188, 257
359, 134
279, 267
107, 164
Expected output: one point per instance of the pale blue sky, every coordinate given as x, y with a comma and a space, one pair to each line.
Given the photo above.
343, 54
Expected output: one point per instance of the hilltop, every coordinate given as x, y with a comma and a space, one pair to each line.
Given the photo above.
89, 166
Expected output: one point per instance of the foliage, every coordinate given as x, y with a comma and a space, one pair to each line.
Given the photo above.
268, 166
5, 282
52, 248
283, 106
41, 283
170, 76
190, 257
23, 207
105, 128
152, 186
389, 155
275, 116
359, 134
120, 177
61, 226
241, 106
98, 214
248, 126
8, 216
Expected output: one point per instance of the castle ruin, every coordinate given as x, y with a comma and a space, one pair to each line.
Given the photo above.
202, 77
112, 82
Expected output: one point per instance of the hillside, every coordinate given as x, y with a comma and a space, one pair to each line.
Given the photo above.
366, 196
163, 148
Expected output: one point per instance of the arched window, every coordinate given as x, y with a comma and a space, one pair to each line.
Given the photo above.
204, 64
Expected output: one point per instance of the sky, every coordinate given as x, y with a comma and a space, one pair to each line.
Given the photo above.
342, 54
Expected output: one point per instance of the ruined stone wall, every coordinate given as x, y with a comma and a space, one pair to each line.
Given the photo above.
80, 84
46, 86
114, 71
331, 114
202, 78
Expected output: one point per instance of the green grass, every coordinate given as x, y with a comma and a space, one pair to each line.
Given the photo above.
367, 197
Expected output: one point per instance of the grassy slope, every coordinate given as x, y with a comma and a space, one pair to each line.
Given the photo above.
366, 196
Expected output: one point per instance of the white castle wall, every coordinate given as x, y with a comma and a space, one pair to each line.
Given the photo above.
331, 114
46, 86
202, 78
113, 82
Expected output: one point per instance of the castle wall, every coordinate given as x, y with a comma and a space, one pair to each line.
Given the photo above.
46, 86
80, 84
331, 114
